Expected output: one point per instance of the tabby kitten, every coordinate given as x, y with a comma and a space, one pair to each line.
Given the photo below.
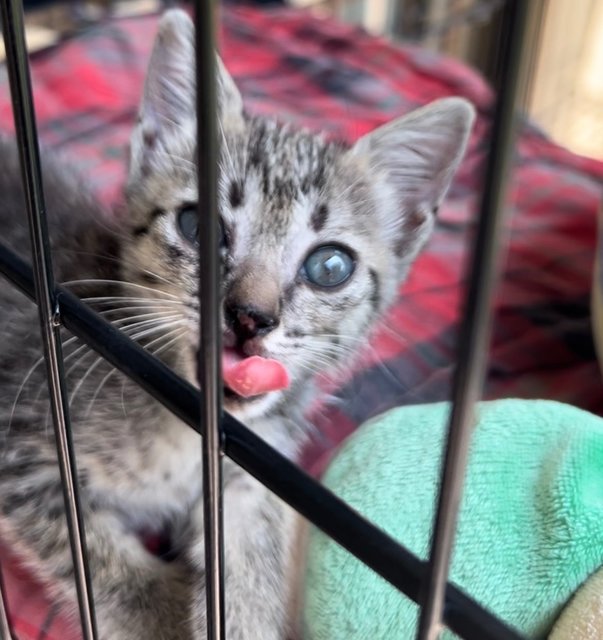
316, 238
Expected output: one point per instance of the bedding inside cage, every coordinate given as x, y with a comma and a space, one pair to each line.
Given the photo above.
529, 533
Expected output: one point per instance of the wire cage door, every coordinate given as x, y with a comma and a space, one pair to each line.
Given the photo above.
426, 583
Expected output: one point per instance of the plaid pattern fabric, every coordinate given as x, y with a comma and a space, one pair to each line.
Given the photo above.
325, 75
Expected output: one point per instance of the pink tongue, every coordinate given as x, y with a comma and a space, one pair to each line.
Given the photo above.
252, 376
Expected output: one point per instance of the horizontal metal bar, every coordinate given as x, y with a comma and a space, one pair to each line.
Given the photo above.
321, 507
17, 63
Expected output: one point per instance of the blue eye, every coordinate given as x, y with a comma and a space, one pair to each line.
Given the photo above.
188, 224
328, 266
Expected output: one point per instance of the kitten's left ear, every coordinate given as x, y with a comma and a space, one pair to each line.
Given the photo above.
418, 155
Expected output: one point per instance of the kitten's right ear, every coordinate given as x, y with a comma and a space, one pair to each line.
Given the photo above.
168, 108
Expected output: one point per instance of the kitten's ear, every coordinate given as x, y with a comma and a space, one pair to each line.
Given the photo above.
230, 102
169, 89
418, 154
168, 108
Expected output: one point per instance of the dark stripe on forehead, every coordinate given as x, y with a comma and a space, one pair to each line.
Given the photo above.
375, 289
319, 217
236, 194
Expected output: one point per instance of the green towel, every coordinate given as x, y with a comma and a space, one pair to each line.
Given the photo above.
530, 528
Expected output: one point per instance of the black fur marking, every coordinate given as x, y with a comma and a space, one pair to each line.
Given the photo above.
65, 571
174, 253
55, 511
23, 468
157, 213
320, 175
319, 217
143, 229
236, 194
149, 137
14, 501
376, 289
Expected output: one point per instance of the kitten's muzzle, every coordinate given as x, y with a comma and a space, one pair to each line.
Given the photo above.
252, 302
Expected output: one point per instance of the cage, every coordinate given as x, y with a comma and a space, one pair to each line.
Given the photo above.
424, 582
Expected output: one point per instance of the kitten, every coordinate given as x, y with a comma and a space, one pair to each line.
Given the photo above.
316, 239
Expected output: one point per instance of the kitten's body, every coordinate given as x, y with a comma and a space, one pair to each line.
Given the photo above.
283, 193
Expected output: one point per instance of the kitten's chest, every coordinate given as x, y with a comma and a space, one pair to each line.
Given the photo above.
151, 478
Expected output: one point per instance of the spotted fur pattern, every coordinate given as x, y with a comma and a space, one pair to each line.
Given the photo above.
282, 193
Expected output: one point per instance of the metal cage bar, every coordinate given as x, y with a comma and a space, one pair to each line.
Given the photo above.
210, 334
477, 318
363, 539
5, 633
48, 309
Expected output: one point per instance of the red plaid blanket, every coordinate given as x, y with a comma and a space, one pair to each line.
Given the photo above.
329, 76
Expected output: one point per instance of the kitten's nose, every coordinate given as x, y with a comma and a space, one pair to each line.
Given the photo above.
248, 322
252, 302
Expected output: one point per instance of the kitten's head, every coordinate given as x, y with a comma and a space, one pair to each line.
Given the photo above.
316, 236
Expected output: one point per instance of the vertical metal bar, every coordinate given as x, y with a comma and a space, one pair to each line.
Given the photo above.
210, 338
475, 332
27, 138
5, 630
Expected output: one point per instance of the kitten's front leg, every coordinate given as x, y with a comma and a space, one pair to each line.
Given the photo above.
259, 534
137, 596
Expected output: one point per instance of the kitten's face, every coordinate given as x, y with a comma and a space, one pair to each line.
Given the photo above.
316, 237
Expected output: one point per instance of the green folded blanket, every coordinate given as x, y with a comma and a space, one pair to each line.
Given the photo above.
530, 528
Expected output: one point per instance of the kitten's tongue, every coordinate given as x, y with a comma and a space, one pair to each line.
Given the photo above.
254, 375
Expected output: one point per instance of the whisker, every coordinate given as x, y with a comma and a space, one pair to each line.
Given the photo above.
227, 150
169, 120
21, 388
147, 317
341, 336
318, 362
127, 330
130, 299
100, 359
368, 347
166, 309
123, 283
114, 231
180, 332
122, 260
181, 159
397, 336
